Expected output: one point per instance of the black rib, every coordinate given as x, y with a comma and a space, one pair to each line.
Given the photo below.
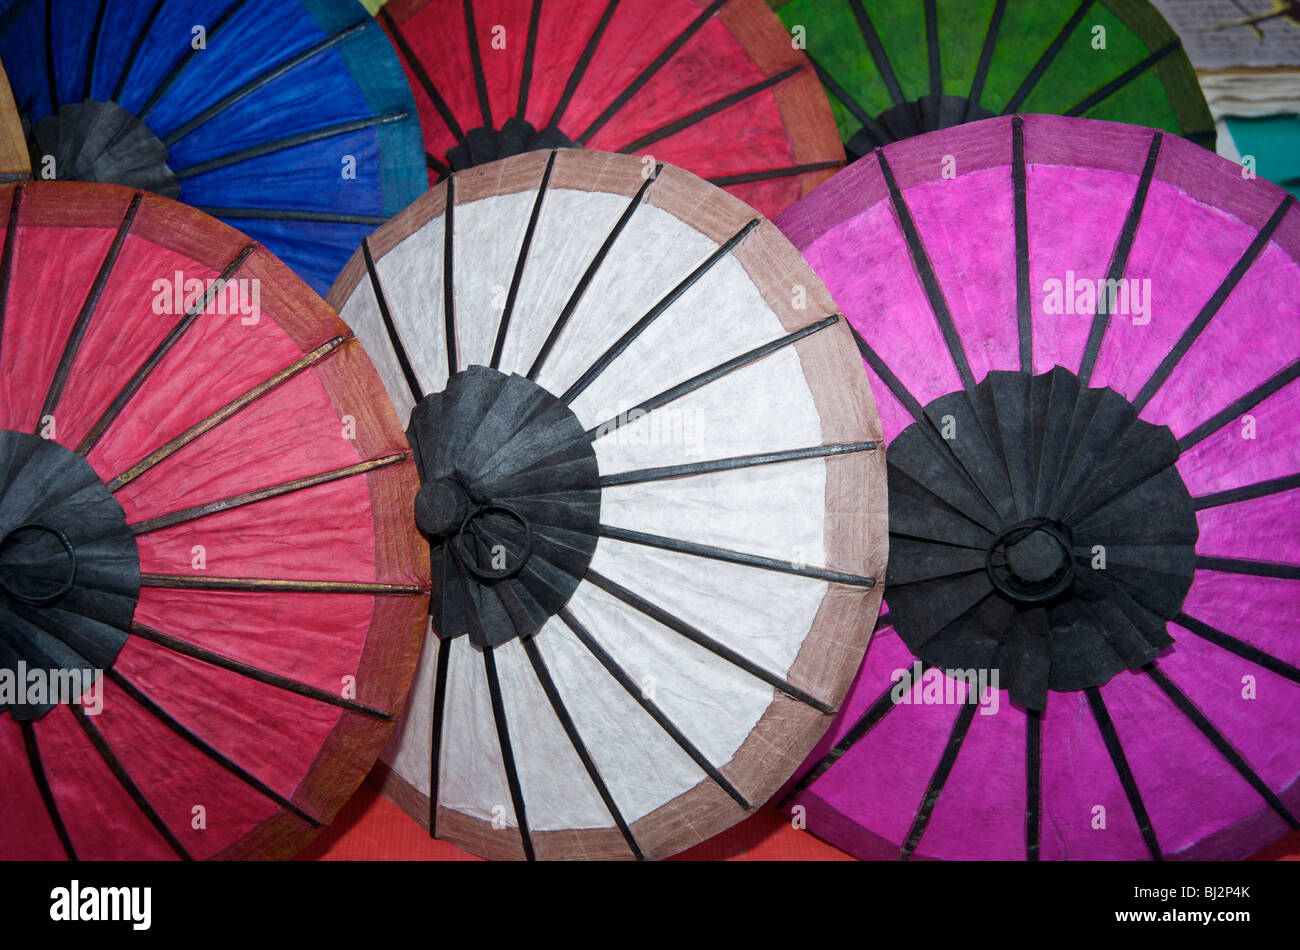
1116, 751
292, 141
1033, 782
530, 49
702, 113
422, 77
449, 278
1045, 60
653, 314
589, 275
667, 53
253, 85
699, 637
1024, 308
507, 752
277, 585
51, 77
1246, 402
476, 63
733, 557
637, 476
933, 292
251, 672
441, 168
986, 57
1212, 306
435, 735
877, 51
580, 67
386, 315
88, 306
7, 255
1240, 647
184, 62
1273, 486
504, 326
230, 766
1119, 261
939, 779
146, 369
1122, 80
575, 739
1220, 742
932, 48
43, 786
725, 181
124, 779
872, 127
1236, 565
708, 376
92, 57
292, 214
666, 724
145, 31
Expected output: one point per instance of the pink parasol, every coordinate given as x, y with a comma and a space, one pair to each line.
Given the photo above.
1084, 340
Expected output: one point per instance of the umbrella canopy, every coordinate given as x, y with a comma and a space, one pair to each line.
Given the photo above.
648, 465
290, 119
1085, 346
897, 68
14, 163
714, 86
210, 607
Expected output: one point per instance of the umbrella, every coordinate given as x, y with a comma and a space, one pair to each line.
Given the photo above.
647, 467
715, 87
14, 163
209, 609
897, 68
1085, 347
290, 119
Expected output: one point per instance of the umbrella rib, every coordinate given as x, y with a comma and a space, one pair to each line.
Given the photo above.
742, 178
1044, 61
184, 62
877, 50
1272, 486
1243, 768
1238, 565
43, 786
575, 739
709, 376
932, 48
293, 214
937, 781
176, 645
1033, 782
733, 557
449, 278
846, 99
650, 706
639, 476
584, 60
589, 275
7, 254
93, 55
699, 637
51, 75
234, 769
270, 585
1193, 331
1116, 751
929, 280
1119, 262
422, 77
654, 313
530, 50
507, 751
1122, 80
244, 91
1024, 308
704, 112
124, 779
1240, 647
78, 333
476, 63
515, 281
165, 451
435, 729
132, 56
635, 86
262, 494
403, 360
1246, 402
985, 60
146, 369
292, 141
442, 169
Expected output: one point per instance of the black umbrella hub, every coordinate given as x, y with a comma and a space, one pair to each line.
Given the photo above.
101, 141
908, 119
515, 137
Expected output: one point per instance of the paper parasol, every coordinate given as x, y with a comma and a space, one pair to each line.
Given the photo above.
897, 68
290, 119
714, 87
647, 457
14, 163
203, 501
1092, 492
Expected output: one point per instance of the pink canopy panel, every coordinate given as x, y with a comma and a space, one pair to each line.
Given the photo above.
1084, 342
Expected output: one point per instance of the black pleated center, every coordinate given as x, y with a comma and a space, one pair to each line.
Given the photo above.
908, 119
515, 137
101, 141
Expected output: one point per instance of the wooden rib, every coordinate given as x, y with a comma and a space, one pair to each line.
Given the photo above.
276, 585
